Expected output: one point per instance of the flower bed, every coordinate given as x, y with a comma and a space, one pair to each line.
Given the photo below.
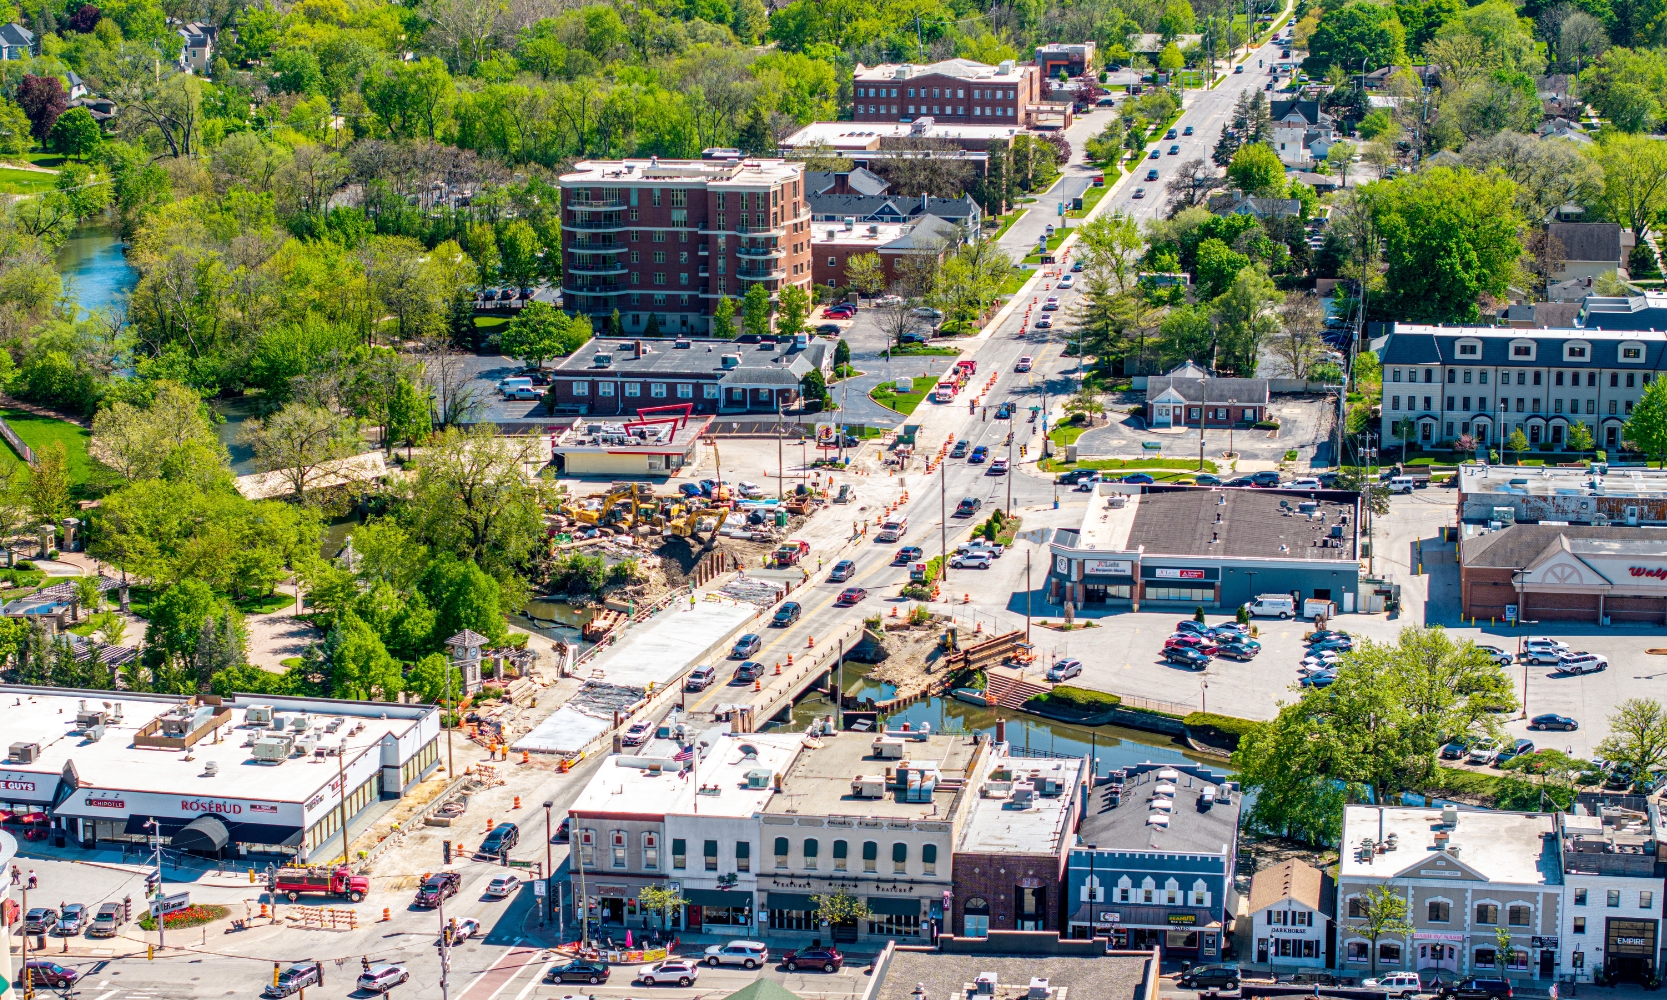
194, 915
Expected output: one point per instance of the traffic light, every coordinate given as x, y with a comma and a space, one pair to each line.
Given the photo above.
274, 973
503, 858
445, 850
127, 909
153, 881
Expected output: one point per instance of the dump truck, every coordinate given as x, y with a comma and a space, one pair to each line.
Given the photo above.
789, 553
296, 882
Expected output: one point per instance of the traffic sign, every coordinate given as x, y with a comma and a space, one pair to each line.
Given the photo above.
538, 888
168, 904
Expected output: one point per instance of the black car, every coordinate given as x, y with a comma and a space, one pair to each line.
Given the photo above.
1074, 477
1553, 721
1235, 650
40, 920
959, 451
562, 832
1209, 977
501, 840
1455, 748
1477, 989
1188, 657
1267, 477
1240, 481
787, 614
580, 971
437, 887
908, 554
826, 959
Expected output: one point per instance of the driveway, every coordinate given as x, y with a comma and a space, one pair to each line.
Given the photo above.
868, 355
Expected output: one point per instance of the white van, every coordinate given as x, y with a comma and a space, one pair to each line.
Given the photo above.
1402, 484
1272, 606
1581, 663
894, 529
519, 388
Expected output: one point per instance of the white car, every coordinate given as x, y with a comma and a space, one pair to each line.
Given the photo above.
989, 548
1064, 670
889, 300
970, 560
1497, 655
1304, 484
681, 971
1396, 984
464, 929
502, 886
747, 954
1543, 650
1023, 365
1484, 752
1323, 660
750, 490
1065, 282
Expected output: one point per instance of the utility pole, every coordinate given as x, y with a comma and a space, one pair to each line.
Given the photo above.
1010, 472
780, 415
1027, 597
451, 762
28, 980
943, 524
549, 865
445, 950
156, 849
582, 903
341, 799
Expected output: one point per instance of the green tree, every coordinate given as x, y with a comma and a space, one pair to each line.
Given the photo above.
1637, 736
1383, 914
755, 311
361, 669
518, 246
1449, 236
1634, 178
842, 354
814, 388
174, 621
1580, 437
792, 306
430, 677
865, 273
76, 132
1178, 19
655, 899
1646, 429
1256, 169
463, 597
1218, 264
540, 331
49, 483
470, 496
137, 440
834, 908
1245, 317
1516, 442
1357, 31
410, 413
723, 319
1170, 58
299, 441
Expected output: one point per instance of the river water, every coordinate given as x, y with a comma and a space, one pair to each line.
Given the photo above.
95, 269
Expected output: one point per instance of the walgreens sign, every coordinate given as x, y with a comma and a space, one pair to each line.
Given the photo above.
1652, 572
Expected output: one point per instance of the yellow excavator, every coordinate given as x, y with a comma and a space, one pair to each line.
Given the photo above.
685, 522
635, 506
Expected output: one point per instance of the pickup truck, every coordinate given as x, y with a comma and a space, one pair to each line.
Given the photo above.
296, 882
789, 553
437, 887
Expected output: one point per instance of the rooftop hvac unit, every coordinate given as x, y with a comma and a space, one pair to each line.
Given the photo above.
1039, 989
868, 786
306, 744
888, 748
94, 733
985, 984
298, 722
273, 748
758, 778
87, 719
211, 769
1024, 793
334, 724
24, 753
258, 715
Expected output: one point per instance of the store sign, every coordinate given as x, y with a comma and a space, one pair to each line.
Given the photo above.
1171, 573
1653, 572
1062, 564
106, 803
1277, 931
1110, 917
210, 806
261, 807
1108, 567
18, 786
1545, 943
1183, 919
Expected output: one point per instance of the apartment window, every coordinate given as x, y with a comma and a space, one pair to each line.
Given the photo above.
1536, 377
1580, 925
1394, 402
1395, 374
679, 853
659, 256
633, 388
1440, 912
900, 859
659, 277
604, 388
870, 856
587, 848
650, 852
634, 256
1467, 349
1592, 380
617, 847
1611, 407
1577, 352
1521, 351
1482, 376
1360, 951
656, 195
1614, 380
1452, 375
711, 852
581, 388
1429, 375
1486, 958
840, 849
633, 238
685, 391
1632, 353
1557, 405
781, 852
679, 198
1591, 406
1519, 916
1628, 407
659, 235
811, 849
1522, 378
634, 215
1487, 913
929, 860
1467, 376
1559, 380
1614, 898
657, 390
1630, 376
722, 220
710, 391
1389, 953
1450, 403
1646, 900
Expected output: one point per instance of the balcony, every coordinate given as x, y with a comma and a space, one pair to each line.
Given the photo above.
770, 251
759, 275
595, 206
597, 270
761, 230
595, 290
596, 225
597, 248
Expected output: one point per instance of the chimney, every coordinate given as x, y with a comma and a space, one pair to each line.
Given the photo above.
923, 198
637, 346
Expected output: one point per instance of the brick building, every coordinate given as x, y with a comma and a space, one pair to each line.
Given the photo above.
1605, 575
952, 91
1010, 859
669, 238
833, 246
608, 377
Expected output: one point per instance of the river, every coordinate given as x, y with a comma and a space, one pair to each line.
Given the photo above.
95, 269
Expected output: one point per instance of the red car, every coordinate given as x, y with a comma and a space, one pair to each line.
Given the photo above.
1198, 642
845, 311
851, 595
825, 958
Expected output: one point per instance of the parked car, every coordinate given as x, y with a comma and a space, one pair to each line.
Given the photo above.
787, 614
1319, 679
1455, 748
1209, 977
1497, 655
1512, 752
502, 886
1265, 478
1205, 479
1396, 984
749, 490
71, 922
638, 734
747, 954
842, 570
1064, 670
382, 978
40, 920
1232, 632
1552, 720
681, 971
826, 959
1191, 641
1074, 477
829, 329
1475, 988
850, 596
1184, 656
501, 840
1190, 627
1341, 644
107, 921
1139, 479
1581, 662
700, 678
1484, 752
1238, 650
294, 979
690, 489
1325, 634
970, 560
1541, 650
583, 970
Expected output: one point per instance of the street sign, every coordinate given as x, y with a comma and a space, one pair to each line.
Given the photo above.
168, 904
1511, 613
538, 888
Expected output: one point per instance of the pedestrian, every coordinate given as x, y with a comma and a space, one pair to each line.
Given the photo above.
17, 876
32, 879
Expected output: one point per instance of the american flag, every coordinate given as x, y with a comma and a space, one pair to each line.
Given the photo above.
685, 754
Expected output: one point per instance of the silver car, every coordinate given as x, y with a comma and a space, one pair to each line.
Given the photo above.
382, 978
747, 954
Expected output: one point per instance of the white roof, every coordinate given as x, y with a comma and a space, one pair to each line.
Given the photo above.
669, 643
865, 135
964, 69
632, 785
749, 172
995, 825
1492, 846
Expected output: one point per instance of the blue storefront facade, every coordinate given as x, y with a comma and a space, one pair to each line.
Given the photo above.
1145, 882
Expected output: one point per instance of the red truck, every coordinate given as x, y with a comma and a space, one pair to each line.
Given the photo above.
293, 882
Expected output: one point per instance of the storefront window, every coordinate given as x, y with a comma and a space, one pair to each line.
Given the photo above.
1180, 593
793, 920
840, 850
895, 925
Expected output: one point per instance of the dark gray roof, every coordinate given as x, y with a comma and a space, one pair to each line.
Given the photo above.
1543, 315
1309, 110
1589, 241
946, 974
1124, 828
1238, 203
1211, 390
1438, 345
1253, 525
1633, 312
860, 180
1520, 544
702, 358
930, 233
871, 206
16, 34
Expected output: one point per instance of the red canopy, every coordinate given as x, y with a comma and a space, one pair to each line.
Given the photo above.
6, 815
34, 817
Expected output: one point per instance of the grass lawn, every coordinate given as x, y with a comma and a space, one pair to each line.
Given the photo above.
1007, 222
1178, 466
1058, 237
40, 432
1090, 198
25, 181
1065, 434
264, 605
924, 351
486, 324
903, 402
1015, 281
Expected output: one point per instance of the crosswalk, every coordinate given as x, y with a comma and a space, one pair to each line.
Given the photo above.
119, 993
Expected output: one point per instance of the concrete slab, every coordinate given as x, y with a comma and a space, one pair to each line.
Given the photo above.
564, 731
670, 643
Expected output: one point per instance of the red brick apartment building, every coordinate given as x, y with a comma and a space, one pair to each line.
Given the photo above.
669, 238
834, 244
955, 91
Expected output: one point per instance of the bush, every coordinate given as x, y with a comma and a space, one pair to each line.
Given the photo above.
916, 592
194, 915
1227, 725
1080, 699
1266, 425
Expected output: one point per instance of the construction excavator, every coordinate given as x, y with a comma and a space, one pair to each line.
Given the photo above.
685, 521
638, 502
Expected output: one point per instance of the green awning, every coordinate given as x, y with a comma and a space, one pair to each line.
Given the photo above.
894, 906
791, 901
717, 897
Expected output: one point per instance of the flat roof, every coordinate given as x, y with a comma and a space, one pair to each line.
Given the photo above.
669, 643
819, 783
694, 358
1009, 73
1477, 479
1190, 831
735, 778
1495, 845
946, 975
867, 135
1109, 518
871, 234
998, 824
30, 715
749, 172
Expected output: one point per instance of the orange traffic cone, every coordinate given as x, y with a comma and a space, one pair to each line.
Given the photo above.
778, 668
894, 611
517, 801
758, 685
813, 642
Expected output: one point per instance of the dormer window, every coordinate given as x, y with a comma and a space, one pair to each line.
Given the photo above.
1576, 352
1522, 350
1469, 348
1631, 353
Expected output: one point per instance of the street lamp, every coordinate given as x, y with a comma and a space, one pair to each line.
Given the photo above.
549, 867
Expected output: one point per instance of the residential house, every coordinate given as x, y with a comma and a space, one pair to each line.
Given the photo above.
1564, 128
1612, 895
196, 52
1153, 860
1291, 910
101, 108
1074, 59
77, 87
1468, 877
1187, 400
950, 91
1010, 858
833, 246
1236, 202
608, 377
1591, 249
894, 209
1487, 381
16, 41
1543, 315
858, 180
1302, 133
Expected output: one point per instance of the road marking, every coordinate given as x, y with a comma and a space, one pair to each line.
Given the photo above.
494, 967
543, 971
106, 996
